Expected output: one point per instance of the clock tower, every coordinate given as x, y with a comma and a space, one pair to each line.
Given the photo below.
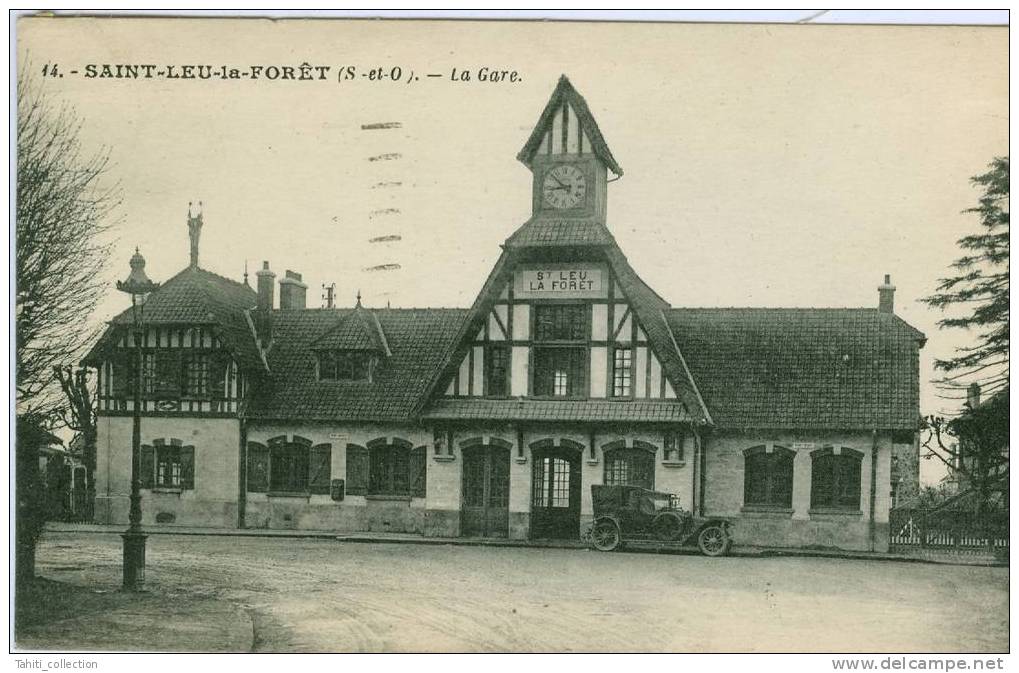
569, 159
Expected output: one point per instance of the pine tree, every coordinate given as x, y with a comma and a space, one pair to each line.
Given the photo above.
980, 289
974, 444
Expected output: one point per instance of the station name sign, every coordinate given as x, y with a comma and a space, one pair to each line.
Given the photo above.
561, 281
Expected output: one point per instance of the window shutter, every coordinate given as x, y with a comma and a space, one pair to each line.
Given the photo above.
258, 467
187, 467
319, 467
148, 466
418, 473
357, 470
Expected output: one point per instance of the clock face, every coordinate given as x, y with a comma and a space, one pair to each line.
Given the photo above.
564, 186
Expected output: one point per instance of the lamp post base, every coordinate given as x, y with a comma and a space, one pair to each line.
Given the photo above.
134, 560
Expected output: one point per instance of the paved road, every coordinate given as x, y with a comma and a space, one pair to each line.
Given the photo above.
323, 595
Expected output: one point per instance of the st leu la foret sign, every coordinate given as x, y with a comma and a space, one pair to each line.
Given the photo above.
564, 281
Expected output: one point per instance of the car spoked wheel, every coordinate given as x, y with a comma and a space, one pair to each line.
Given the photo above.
606, 536
713, 541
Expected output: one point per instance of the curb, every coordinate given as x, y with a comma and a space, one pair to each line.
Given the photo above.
652, 548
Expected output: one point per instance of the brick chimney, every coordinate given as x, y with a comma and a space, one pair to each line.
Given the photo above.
886, 296
293, 293
973, 395
265, 287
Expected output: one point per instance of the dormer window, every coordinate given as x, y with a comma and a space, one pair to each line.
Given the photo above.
352, 348
345, 365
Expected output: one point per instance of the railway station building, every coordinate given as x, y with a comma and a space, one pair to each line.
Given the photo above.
495, 420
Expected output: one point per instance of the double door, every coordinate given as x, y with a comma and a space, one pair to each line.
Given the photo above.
485, 508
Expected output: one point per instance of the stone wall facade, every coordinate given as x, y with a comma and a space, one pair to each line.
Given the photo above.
214, 499
800, 526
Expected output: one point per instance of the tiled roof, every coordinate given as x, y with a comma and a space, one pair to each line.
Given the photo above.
558, 410
564, 91
802, 368
198, 297
542, 231
418, 338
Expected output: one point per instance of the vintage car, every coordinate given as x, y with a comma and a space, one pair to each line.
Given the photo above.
634, 514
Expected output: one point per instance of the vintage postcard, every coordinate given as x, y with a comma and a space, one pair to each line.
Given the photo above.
508, 336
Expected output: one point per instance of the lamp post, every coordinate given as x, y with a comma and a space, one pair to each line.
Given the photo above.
137, 285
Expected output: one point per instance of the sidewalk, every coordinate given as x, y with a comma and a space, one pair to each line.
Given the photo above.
410, 538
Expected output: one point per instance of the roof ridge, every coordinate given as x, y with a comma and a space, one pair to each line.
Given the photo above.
382, 310
238, 284
773, 308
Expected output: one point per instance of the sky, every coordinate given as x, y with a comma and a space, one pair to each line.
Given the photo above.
765, 165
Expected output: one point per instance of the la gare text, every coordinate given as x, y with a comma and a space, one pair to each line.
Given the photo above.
293, 73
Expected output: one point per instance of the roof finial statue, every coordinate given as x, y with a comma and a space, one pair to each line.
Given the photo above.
246, 273
194, 232
358, 305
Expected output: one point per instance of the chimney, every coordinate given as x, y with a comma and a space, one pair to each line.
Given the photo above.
973, 395
194, 232
265, 287
293, 293
886, 296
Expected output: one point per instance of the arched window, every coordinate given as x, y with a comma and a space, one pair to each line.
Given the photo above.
394, 468
629, 467
835, 478
768, 477
289, 466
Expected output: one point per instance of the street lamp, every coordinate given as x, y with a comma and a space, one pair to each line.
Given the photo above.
137, 285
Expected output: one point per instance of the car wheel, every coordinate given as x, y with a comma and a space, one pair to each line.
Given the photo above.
713, 540
606, 536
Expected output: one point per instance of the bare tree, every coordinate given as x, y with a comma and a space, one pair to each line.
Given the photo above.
64, 210
974, 446
79, 414
62, 215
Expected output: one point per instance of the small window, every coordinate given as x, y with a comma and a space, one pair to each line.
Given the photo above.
675, 447
768, 477
622, 371
835, 479
497, 359
196, 375
168, 465
630, 467
560, 371
344, 366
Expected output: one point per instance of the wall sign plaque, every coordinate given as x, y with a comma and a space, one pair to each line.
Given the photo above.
563, 281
